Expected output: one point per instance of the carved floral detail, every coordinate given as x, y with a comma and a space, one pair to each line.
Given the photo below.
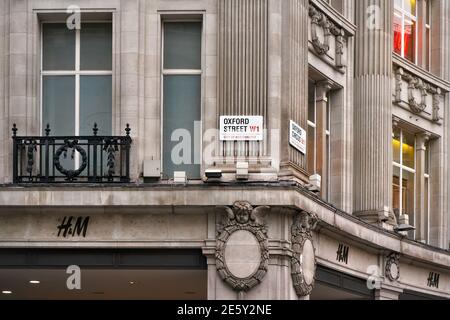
392, 270
304, 224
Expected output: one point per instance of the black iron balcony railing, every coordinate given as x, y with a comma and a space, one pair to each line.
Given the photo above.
71, 159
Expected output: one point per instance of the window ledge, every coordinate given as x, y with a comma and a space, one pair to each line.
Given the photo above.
420, 72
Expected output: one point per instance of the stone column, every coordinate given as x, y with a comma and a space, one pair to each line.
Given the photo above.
440, 175
421, 212
445, 18
373, 115
322, 89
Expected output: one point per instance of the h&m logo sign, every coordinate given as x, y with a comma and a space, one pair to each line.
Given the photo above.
73, 227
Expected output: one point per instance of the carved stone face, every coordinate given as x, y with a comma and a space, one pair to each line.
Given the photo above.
242, 217
242, 212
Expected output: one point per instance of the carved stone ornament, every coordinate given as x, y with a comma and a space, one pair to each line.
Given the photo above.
425, 89
413, 84
303, 261
320, 20
242, 251
392, 270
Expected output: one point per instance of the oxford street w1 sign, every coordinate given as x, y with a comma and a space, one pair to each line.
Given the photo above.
241, 128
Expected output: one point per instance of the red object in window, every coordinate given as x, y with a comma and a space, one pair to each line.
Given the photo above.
407, 42
398, 42
398, 37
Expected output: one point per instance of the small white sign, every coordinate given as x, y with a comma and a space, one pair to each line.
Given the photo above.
241, 128
297, 137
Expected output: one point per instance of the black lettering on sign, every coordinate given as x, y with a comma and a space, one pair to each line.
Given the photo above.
342, 253
73, 227
433, 280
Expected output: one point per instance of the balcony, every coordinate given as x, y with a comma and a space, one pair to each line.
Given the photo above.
71, 159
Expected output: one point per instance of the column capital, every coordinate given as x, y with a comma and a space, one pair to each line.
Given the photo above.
421, 139
395, 122
322, 89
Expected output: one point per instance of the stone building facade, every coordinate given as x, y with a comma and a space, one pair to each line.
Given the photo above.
339, 189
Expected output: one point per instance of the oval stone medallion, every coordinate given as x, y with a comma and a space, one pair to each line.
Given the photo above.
308, 262
394, 271
242, 254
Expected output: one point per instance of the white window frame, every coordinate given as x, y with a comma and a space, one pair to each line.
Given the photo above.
328, 134
410, 170
180, 72
405, 14
427, 177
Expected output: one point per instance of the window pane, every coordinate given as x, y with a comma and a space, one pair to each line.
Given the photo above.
328, 125
328, 181
311, 102
410, 40
396, 145
408, 197
58, 47
311, 150
426, 207
182, 108
408, 194
410, 7
96, 104
96, 46
397, 32
428, 50
408, 150
182, 45
58, 104
396, 191
398, 3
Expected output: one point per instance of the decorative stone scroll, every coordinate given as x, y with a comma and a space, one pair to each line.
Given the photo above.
392, 270
242, 252
425, 89
303, 261
320, 20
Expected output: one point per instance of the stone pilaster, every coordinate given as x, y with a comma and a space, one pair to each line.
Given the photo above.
294, 82
373, 115
130, 68
388, 293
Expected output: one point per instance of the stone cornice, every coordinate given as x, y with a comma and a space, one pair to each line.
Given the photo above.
16, 200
